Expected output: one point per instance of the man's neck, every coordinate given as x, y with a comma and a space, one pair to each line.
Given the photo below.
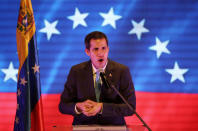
103, 68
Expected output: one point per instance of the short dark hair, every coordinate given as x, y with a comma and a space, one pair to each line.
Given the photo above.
94, 35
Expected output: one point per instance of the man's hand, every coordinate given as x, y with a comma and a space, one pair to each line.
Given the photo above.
96, 108
89, 107
83, 106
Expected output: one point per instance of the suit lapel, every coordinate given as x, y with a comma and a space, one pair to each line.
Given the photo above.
109, 71
106, 92
90, 81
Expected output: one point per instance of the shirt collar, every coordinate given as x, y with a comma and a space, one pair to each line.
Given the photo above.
95, 70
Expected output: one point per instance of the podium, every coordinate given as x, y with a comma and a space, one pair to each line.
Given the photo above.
98, 128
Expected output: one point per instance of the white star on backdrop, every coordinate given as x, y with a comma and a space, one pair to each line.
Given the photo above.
50, 28
138, 28
160, 47
10, 73
177, 73
78, 18
110, 18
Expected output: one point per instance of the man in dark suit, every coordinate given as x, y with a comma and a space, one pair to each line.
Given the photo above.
87, 98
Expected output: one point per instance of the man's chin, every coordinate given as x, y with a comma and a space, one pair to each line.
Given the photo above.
101, 64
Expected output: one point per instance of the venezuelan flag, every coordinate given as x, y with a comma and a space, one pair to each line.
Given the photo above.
29, 113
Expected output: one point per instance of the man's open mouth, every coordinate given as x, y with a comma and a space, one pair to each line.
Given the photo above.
101, 60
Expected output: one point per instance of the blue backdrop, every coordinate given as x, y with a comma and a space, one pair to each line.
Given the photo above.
157, 40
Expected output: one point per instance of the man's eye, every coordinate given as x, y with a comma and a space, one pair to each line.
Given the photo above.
95, 49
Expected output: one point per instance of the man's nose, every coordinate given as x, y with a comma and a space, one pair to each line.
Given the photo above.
100, 52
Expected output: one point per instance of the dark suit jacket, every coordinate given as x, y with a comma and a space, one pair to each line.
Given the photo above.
80, 87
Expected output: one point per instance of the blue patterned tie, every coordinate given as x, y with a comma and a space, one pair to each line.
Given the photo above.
97, 86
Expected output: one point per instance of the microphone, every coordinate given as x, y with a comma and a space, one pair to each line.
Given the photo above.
104, 80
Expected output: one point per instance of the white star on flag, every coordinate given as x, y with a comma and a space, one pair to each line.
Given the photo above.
23, 81
160, 47
17, 120
35, 68
177, 73
138, 28
78, 18
10, 73
50, 28
18, 92
17, 106
110, 18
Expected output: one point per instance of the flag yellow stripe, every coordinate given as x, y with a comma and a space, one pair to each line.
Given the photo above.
25, 30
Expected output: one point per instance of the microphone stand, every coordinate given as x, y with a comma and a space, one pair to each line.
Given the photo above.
102, 75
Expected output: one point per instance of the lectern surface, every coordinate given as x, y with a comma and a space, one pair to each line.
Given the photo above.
98, 128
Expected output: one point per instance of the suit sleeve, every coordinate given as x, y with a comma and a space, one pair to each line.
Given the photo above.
127, 90
68, 96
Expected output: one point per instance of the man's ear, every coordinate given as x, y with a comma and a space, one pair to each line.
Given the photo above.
108, 48
87, 52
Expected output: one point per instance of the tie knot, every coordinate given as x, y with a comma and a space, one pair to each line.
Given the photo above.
97, 72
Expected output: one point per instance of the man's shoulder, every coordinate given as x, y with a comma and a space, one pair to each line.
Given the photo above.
117, 65
81, 66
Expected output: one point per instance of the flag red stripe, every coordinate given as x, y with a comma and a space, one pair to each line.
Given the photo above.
161, 111
37, 113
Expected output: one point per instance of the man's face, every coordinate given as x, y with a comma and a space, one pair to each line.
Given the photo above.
98, 52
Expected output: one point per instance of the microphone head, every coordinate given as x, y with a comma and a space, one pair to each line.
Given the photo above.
101, 71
